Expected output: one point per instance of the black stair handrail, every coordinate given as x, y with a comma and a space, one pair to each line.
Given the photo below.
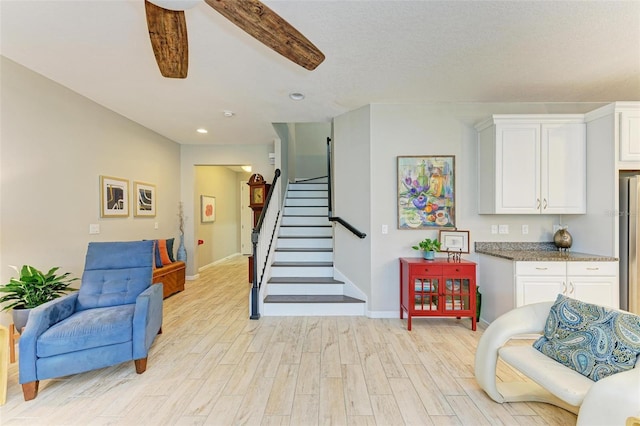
255, 237
333, 218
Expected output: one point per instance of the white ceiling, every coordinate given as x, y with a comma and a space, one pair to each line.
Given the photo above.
376, 52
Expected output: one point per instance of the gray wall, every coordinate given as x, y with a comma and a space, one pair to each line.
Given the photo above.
221, 237
54, 145
191, 156
367, 144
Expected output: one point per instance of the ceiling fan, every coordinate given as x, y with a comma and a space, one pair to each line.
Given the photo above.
168, 32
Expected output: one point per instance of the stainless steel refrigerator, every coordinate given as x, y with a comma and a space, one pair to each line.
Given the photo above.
629, 242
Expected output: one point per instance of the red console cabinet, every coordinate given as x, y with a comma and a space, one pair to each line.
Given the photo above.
437, 288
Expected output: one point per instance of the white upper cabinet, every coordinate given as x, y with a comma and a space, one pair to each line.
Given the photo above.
630, 135
532, 164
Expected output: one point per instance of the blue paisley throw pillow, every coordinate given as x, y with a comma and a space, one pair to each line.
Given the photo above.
593, 340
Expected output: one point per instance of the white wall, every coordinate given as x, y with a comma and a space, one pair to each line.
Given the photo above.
55, 144
257, 156
221, 237
311, 149
352, 196
403, 129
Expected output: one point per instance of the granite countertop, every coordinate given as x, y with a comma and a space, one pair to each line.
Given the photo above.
536, 252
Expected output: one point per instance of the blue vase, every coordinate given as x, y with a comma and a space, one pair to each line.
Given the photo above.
181, 255
429, 255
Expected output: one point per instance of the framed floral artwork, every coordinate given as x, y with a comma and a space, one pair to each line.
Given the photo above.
207, 208
145, 200
114, 197
426, 192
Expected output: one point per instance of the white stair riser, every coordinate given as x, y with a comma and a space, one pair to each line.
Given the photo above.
303, 256
302, 271
305, 220
295, 202
307, 194
304, 243
313, 309
324, 179
306, 231
308, 186
306, 289
306, 211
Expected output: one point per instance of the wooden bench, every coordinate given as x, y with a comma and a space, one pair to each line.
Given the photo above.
171, 276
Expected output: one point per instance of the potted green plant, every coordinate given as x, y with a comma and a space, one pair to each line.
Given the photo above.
31, 289
428, 247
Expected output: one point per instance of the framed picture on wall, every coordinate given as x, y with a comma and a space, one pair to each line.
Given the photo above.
207, 208
114, 197
145, 199
426, 186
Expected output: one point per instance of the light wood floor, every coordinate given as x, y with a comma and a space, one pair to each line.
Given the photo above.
212, 365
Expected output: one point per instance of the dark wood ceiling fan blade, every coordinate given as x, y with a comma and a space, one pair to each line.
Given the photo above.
266, 26
168, 35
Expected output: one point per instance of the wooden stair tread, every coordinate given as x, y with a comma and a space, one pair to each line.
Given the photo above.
306, 237
304, 280
302, 264
304, 249
311, 298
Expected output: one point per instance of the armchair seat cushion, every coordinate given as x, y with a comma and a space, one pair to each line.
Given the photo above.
88, 329
566, 384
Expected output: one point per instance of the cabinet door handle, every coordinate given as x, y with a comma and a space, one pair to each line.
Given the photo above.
539, 268
544, 204
537, 203
564, 287
593, 269
572, 287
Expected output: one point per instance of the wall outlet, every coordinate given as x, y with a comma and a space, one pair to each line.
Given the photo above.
494, 229
94, 228
155, 225
503, 229
525, 229
385, 229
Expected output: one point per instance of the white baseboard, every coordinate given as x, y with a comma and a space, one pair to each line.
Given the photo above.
383, 314
192, 277
224, 259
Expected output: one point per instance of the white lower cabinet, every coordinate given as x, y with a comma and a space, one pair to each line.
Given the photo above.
591, 282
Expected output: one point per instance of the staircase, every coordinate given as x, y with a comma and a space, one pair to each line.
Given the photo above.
302, 277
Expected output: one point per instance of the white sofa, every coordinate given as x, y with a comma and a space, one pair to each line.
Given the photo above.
609, 401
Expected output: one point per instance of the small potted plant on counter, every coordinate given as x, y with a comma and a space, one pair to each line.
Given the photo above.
31, 289
428, 247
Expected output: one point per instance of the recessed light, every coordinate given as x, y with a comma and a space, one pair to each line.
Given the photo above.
228, 113
202, 130
246, 168
296, 96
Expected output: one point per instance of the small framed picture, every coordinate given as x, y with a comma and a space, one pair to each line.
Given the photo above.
207, 208
145, 199
454, 241
114, 197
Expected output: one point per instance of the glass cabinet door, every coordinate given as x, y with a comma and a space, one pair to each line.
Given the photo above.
426, 294
457, 294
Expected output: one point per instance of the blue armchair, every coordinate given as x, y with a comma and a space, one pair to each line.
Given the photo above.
113, 318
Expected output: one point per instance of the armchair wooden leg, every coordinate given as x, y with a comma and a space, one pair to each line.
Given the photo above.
141, 365
30, 390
